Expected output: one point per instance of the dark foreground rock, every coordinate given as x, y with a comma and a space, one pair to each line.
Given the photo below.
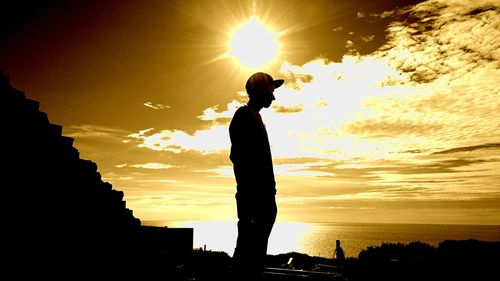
451, 260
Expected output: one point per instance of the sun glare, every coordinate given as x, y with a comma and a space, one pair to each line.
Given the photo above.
253, 45
221, 235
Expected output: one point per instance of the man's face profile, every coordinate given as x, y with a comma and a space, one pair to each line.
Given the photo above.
264, 95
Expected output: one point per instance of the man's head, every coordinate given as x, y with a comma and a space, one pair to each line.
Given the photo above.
260, 88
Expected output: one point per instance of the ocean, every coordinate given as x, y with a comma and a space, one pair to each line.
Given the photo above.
354, 237
318, 239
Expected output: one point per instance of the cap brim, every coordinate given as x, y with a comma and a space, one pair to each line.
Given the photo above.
278, 83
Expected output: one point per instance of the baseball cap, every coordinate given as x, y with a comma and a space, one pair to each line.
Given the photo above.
260, 78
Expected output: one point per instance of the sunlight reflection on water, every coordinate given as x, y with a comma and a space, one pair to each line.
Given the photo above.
221, 235
318, 239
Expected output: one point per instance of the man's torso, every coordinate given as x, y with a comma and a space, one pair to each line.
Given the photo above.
251, 153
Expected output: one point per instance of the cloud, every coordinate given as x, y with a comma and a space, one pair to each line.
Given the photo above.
161, 181
387, 128
91, 131
156, 106
287, 110
410, 179
210, 140
367, 15
224, 117
302, 169
367, 38
153, 166
417, 92
295, 78
350, 45
488, 146
391, 126
445, 38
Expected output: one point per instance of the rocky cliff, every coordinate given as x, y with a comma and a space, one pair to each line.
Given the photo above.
58, 212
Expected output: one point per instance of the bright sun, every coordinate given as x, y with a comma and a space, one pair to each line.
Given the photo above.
253, 45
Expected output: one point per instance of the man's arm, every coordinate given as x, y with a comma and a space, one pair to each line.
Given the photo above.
243, 154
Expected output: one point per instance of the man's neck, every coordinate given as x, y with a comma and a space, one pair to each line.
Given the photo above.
255, 106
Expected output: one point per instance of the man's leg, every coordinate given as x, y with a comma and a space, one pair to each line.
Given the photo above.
245, 261
240, 258
265, 225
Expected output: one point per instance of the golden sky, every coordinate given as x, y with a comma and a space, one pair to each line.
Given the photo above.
390, 110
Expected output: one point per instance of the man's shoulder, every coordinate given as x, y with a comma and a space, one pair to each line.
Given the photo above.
242, 117
242, 112
244, 109
238, 115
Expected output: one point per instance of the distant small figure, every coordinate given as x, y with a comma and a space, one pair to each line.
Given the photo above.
339, 252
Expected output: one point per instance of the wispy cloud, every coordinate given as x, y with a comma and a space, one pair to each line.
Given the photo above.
415, 122
152, 166
287, 110
94, 131
386, 127
206, 141
367, 38
416, 93
156, 106
488, 146
212, 114
161, 181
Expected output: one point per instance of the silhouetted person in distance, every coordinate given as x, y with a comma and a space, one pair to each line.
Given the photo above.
339, 252
253, 170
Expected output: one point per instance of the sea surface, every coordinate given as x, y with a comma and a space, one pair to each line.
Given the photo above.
354, 237
318, 239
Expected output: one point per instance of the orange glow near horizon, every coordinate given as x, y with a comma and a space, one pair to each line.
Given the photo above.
221, 235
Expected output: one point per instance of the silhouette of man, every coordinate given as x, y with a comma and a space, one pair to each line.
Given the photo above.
253, 170
339, 252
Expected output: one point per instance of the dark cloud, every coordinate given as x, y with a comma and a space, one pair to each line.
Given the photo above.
446, 36
414, 204
444, 181
488, 146
387, 128
439, 167
320, 34
480, 10
404, 179
365, 173
414, 151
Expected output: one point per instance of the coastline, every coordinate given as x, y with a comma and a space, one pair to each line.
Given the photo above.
318, 239
451, 260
